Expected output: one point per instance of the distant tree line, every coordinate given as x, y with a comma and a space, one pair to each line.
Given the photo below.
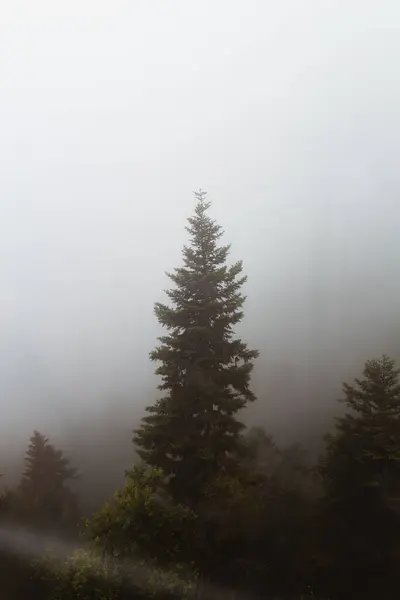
213, 510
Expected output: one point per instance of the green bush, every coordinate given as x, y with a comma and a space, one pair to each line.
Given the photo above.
88, 576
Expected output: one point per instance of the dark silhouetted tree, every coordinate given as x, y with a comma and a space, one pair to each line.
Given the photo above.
363, 455
193, 433
43, 496
361, 473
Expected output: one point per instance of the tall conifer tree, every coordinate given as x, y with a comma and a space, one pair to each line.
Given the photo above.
192, 433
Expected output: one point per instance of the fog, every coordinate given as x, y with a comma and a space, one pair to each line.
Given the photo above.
111, 114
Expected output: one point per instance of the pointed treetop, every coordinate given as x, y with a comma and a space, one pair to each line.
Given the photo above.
200, 195
378, 390
202, 204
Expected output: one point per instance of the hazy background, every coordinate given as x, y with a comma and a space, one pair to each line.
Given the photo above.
111, 113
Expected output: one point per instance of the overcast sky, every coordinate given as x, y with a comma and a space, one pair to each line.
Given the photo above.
111, 113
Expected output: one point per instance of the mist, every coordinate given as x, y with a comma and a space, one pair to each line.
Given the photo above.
111, 114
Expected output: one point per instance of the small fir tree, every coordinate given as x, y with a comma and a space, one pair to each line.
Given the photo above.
193, 433
361, 473
364, 452
44, 496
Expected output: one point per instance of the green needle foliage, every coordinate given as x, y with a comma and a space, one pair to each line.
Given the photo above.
192, 433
